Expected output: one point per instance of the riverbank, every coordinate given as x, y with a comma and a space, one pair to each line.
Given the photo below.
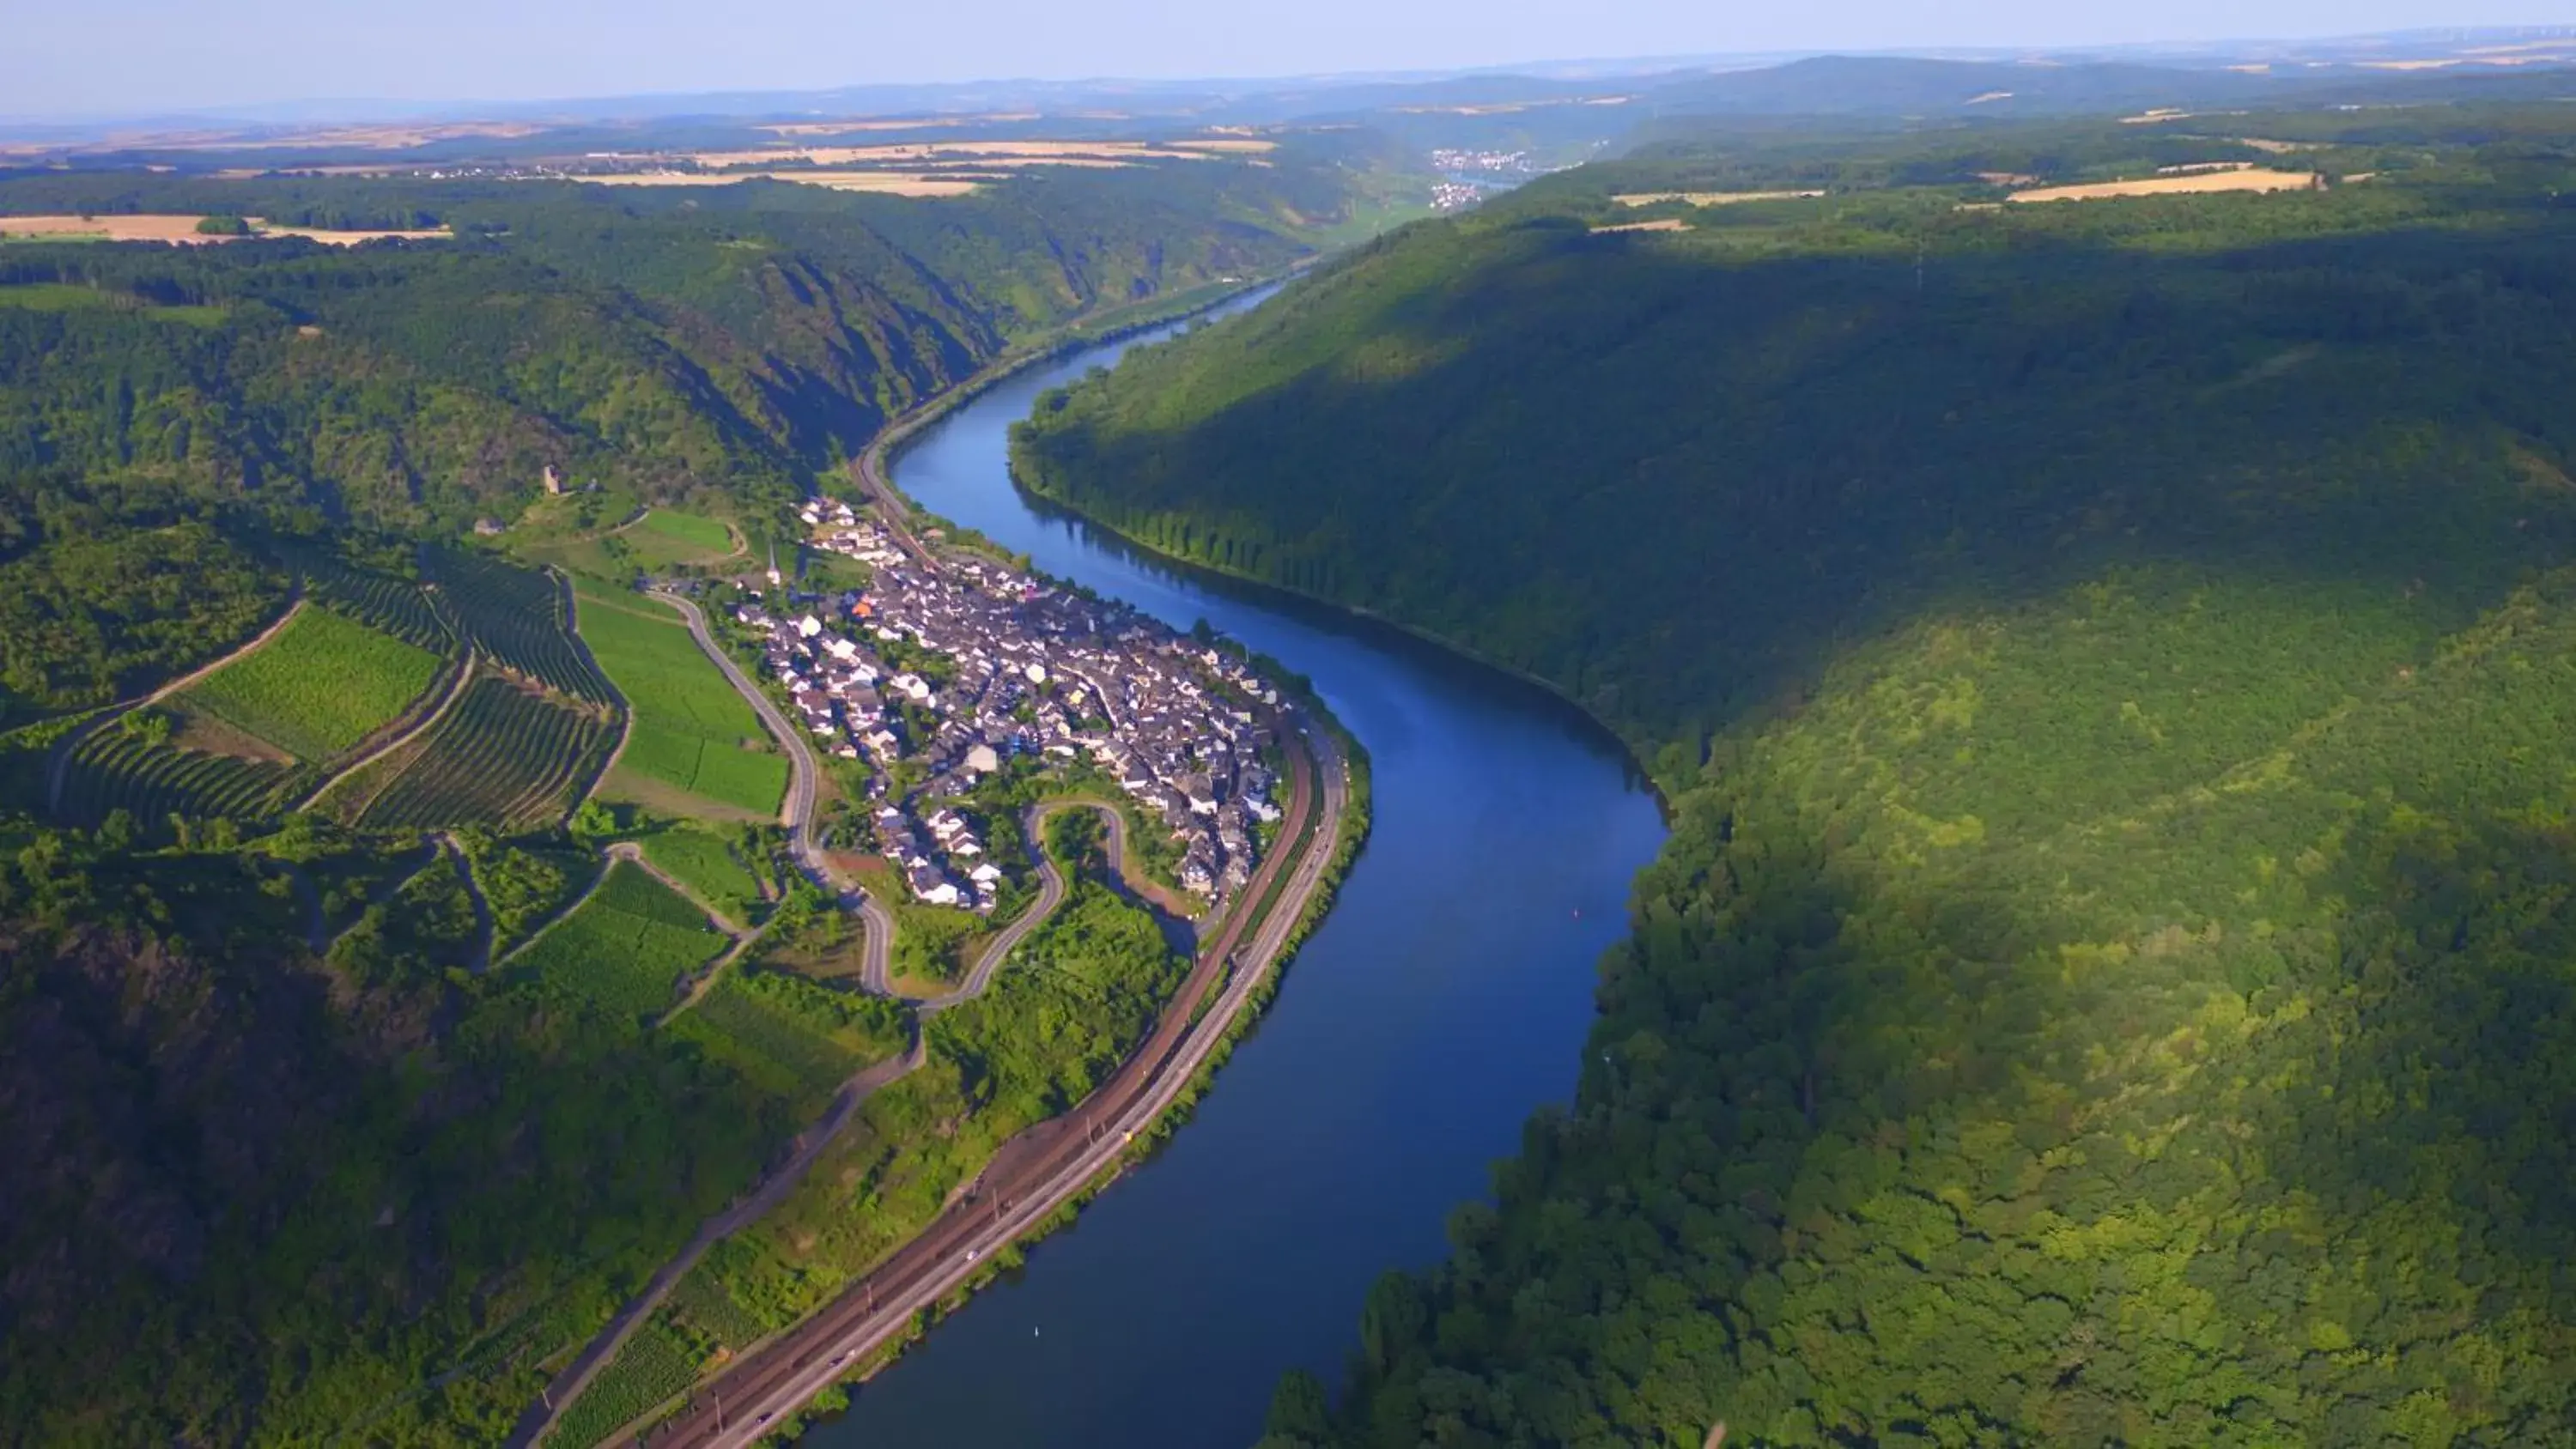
1470, 902
1031, 1178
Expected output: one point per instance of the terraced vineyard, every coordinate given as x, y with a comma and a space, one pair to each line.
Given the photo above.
519, 619
627, 946
395, 605
116, 769
792, 1036
502, 756
324, 683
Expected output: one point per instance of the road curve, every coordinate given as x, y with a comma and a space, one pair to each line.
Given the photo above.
1051, 893
809, 1145
1037, 1172
796, 812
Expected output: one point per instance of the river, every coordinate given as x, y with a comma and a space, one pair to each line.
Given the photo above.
1445, 998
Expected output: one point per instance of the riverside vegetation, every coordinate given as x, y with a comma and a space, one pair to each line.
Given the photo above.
307, 1138
2110, 667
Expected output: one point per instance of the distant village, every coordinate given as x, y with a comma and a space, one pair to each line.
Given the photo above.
955, 667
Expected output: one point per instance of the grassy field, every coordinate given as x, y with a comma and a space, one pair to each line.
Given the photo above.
2190, 184
580, 534
627, 946
663, 537
322, 685
690, 731
60, 297
791, 1036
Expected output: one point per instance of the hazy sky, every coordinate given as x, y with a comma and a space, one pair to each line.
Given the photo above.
123, 56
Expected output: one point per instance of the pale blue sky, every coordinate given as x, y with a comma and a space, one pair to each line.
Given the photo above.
123, 56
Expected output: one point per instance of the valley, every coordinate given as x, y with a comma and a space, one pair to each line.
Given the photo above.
1794, 749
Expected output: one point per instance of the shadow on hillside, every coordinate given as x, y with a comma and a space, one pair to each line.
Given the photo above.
1677, 486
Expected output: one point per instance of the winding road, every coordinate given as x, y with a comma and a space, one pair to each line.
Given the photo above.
1048, 1165
796, 812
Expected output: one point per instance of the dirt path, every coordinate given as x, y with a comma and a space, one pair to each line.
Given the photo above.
63, 748
807, 1148
485, 926
463, 676
810, 1144
556, 917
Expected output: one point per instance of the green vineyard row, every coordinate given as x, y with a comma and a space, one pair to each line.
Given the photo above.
500, 756
115, 769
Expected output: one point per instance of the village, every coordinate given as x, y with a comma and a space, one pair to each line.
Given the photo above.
947, 667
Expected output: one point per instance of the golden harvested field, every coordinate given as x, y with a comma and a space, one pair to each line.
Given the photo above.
1506, 108
182, 230
2250, 179
891, 183
1710, 198
1670, 223
935, 153
895, 123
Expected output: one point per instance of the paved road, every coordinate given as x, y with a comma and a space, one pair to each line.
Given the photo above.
892, 508
1047, 1165
796, 812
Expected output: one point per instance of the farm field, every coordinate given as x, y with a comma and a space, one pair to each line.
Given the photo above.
889, 183
516, 618
653, 1366
58, 297
2189, 183
706, 864
665, 537
179, 230
502, 756
383, 602
1709, 198
119, 769
791, 1036
322, 685
627, 947
689, 731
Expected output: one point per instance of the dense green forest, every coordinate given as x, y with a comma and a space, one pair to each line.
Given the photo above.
2109, 665
163, 409
298, 1151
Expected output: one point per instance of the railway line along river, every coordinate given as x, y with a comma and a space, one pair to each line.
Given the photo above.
1444, 999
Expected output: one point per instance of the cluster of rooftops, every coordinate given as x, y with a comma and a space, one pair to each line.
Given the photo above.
954, 665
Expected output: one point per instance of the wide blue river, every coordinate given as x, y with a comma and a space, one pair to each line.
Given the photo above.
1445, 998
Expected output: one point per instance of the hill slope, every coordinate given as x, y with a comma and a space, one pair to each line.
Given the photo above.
296, 1152
157, 402
2109, 979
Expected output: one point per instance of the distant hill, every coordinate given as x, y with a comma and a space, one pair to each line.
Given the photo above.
728, 341
1902, 86
2109, 665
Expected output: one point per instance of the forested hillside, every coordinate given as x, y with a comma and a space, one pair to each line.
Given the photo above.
2110, 979
159, 406
297, 1150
